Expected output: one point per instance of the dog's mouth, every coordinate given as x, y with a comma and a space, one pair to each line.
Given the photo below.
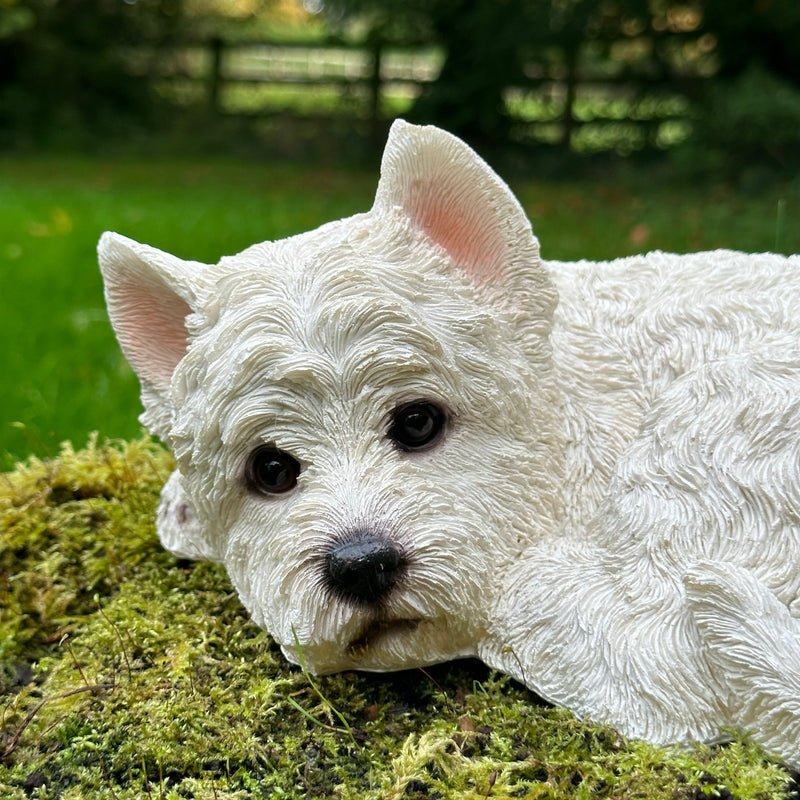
377, 630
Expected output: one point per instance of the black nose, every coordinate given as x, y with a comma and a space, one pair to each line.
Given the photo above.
364, 566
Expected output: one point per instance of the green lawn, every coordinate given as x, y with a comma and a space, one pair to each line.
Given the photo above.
63, 375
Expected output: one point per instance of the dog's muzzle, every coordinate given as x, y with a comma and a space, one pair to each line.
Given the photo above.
364, 566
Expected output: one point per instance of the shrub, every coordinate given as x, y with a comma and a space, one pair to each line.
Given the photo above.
750, 122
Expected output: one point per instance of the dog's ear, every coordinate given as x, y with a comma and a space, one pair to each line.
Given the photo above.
149, 294
449, 193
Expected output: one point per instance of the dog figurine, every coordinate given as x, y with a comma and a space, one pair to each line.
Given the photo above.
409, 439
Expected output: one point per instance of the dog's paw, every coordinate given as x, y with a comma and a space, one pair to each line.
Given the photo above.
753, 646
177, 525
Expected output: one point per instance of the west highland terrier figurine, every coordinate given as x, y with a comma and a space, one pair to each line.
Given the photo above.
409, 439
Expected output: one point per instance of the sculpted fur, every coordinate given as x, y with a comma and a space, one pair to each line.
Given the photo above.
409, 439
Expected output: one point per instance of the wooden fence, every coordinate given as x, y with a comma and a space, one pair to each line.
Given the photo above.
580, 101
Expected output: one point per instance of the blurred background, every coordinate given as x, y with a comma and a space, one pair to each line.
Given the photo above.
721, 76
201, 126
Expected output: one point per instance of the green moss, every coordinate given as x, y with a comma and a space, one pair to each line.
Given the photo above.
128, 674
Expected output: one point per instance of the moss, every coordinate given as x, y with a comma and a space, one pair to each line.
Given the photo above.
128, 674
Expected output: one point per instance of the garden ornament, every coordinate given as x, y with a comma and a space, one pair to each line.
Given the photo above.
409, 439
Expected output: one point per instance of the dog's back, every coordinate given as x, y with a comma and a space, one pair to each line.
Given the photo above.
679, 604
626, 331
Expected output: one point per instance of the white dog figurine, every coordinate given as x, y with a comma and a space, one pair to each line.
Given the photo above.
409, 439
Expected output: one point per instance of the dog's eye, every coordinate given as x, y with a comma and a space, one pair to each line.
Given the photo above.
271, 471
417, 426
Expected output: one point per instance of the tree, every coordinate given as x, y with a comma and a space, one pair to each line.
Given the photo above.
66, 65
763, 33
483, 54
487, 47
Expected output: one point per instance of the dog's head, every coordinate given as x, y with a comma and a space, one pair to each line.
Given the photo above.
361, 415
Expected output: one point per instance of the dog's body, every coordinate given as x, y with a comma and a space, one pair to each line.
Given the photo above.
408, 440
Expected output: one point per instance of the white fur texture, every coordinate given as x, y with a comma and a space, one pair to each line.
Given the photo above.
612, 515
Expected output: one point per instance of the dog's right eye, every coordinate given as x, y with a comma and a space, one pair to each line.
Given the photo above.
271, 471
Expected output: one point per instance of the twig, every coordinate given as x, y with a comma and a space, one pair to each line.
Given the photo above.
65, 640
434, 682
98, 687
116, 632
106, 775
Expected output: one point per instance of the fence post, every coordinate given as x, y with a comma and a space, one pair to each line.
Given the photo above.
375, 85
216, 45
568, 117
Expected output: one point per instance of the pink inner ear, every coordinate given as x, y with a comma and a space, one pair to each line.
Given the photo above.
150, 324
473, 239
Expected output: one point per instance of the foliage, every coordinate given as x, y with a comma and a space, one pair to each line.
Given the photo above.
488, 47
491, 46
64, 67
77, 72
129, 674
74, 72
756, 33
744, 124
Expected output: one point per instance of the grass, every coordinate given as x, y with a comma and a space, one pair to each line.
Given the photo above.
63, 375
128, 674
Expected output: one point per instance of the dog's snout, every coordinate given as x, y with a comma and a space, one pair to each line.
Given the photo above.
364, 566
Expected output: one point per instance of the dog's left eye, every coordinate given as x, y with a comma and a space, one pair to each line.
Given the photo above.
271, 471
417, 426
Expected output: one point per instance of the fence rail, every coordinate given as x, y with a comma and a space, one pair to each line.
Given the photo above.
579, 102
